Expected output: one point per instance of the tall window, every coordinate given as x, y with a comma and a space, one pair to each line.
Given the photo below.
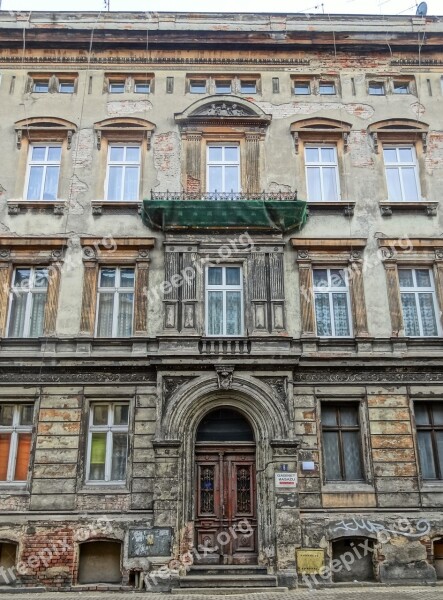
429, 421
332, 303
342, 451
322, 173
115, 305
108, 442
223, 169
401, 173
123, 176
15, 441
224, 301
43, 172
27, 301
419, 303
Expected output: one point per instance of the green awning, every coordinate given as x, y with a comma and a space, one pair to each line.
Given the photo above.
252, 215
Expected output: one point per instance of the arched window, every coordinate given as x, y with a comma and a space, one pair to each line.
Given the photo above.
224, 425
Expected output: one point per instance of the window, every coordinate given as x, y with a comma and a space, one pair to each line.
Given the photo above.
142, 87
115, 305
27, 302
123, 176
419, 303
332, 303
43, 172
197, 86
401, 173
108, 442
223, 86
342, 451
326, 88
41, 87
322, 173
66, 87
376, 88
15, 441
275, 85
429, 422
248, 87
224, 301
223, 173
302, 88
116, 87
401, 87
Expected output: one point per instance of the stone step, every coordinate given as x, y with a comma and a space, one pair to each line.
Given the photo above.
227, 570
221, 581
225, 591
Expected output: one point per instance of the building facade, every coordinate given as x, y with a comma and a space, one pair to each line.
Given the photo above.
221, 294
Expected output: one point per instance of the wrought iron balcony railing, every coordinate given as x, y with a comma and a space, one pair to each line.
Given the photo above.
225, 196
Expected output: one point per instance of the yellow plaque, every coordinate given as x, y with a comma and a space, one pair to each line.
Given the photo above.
310, 561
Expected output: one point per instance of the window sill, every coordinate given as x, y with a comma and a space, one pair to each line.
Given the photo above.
15, 207
428, 208
431, 486
14, 489
345, 487
103, 489
347, 208
114, 207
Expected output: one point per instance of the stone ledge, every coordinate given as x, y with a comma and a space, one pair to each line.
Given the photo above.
113, 207
58, 207
428, 208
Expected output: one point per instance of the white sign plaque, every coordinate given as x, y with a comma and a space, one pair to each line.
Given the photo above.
285, 481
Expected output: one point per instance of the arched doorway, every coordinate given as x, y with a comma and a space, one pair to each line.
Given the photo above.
225, 488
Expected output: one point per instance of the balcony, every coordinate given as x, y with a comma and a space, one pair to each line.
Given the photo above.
262, 212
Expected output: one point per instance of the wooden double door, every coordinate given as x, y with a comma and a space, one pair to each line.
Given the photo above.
226, 506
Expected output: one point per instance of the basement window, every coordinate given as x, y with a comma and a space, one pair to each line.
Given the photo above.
8, 558
99, 562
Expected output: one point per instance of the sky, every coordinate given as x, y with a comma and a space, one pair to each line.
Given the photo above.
385, 7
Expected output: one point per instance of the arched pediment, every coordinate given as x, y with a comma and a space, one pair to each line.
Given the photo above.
222, 108
320, 124
124, 127
131, 122
44, 127
399, 130
393, 124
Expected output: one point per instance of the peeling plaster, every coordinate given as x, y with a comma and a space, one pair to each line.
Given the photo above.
282, 111
83, 149
128, 107
167, 160
418, 109
274, 187
360, 149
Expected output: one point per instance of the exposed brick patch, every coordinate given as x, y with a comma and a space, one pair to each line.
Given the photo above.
167, 161
360, 149
291, 109
128, 107
434, 155
193, 185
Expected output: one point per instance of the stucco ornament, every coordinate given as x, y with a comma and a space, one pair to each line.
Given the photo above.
223, 109
225, 376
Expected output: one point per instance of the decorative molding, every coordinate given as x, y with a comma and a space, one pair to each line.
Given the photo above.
424, 139
439, 254
19, 133
5, 254
163, 60
99, 138
279, 387
399, 375
375, 140
91, 376
303, 254
386, 211
223, 109
172, 384
225, 377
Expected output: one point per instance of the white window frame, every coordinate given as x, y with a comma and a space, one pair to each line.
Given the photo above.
45, 164
30, 291
223, 81
250, 82
321, 165
112, 90
399, 166
303, 82
223, 164
422, 290
225, 288
37, 82
124, 164
377, 85
203, 87
330, 290
15, 429
332, 84
109, 429
146, 83
62, 83
401, 84
116, 290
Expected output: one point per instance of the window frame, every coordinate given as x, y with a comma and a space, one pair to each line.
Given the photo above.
326, 82
15, 430
138, 82
250, 82
417, 291
432, 428
321, 165
223, 164
116, 290
37, 82
219, 81
330, 290
339, 429
110, 428
117, 83
31, 291
61, 83
401, 83
203, 87
45, 164
124, 164
381, 85
306, 82
224, 288
399, 166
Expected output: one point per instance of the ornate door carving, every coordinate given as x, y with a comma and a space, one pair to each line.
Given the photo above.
226, 518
